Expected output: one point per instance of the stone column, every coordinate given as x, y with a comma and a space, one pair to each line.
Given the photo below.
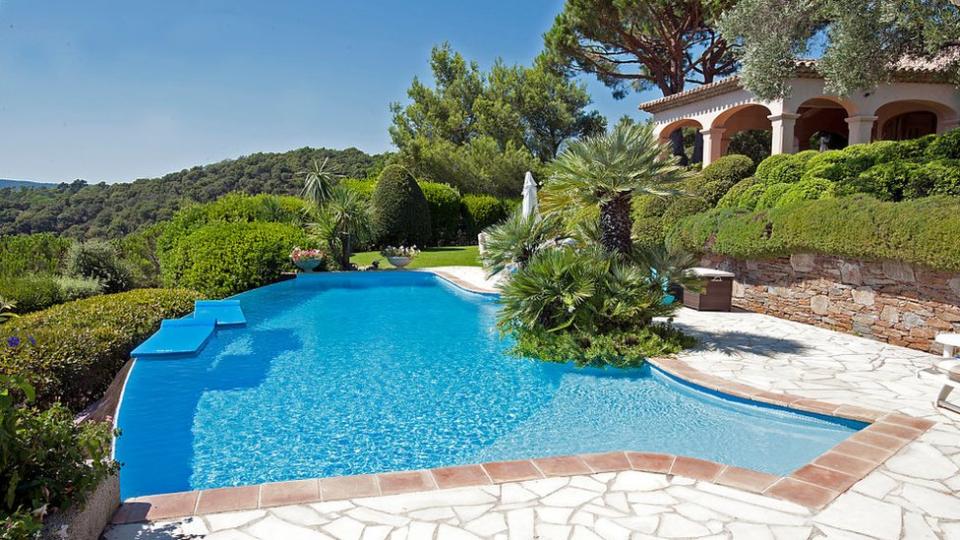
782, 125
860, 129
712, 144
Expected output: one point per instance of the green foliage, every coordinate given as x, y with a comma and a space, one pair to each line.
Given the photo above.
41, 253
768, 169
363, 188
80, 210
753, 143
807, 190
944, 176
771, 195
646, 206
603, 173
515, 240
681, 207
479, 212
224, 258
478, 165
892, 181
535, 109
401, 213
80, 346
946, 146
444, 204
98, 260
647, 232
138, 251
343, 221
47, 460
784, 168
584, 306
718, 177
863, 40
921, 231
626, 45
33, 293
732, 197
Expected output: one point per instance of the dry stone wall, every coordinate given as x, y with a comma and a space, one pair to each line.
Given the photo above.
888, 301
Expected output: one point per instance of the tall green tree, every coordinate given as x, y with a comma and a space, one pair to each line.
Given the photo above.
536, 107
864, 39
605, 171
642, 44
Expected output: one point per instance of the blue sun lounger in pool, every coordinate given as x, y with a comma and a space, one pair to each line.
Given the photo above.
176, 338
225, 312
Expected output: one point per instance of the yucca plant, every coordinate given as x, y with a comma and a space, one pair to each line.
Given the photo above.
605, 171
319, 182
343, 219
516, 239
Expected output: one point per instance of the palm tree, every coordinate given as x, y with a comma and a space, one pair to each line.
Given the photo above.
345, 217
516, 239
605, 171
319, 183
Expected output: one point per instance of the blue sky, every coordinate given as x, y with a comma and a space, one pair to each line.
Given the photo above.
112, 90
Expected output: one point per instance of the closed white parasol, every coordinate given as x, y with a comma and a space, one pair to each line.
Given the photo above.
529, 207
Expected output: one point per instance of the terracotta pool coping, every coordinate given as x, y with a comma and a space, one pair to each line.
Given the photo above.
813, 485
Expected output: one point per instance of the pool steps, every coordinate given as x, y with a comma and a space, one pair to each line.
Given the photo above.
181, 338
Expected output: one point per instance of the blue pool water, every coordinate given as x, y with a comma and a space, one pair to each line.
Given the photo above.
339, 374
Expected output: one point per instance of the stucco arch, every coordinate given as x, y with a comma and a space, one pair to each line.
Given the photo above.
663, 131
946, 116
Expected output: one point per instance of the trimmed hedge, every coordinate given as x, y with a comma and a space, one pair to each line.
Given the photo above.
363, 188
401, 212
234, 208
223, 258
444, 204
71, 352
480, 212
922, 231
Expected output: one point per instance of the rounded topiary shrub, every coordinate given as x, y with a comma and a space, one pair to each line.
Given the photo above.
401, 213
647, 232
645, 206
946, 146
889, 181
721, 175
733, 196
810, 189
480, 212
771, 195
100, 261
945, 176
681, 207
768, 170
444, 204
223, 258
915, 149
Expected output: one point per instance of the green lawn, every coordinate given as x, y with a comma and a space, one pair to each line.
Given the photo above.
439, 256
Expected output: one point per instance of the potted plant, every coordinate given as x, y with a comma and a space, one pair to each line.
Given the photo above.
400, 256
307, 259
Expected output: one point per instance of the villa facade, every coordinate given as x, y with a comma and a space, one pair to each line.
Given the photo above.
917, 101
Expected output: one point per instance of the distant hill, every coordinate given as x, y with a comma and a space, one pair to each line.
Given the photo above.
102, 210
5, 183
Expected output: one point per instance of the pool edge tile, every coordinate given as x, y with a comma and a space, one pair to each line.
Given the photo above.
460, 476
562, 466
501, 472
394, 483
338, 488
607, 461
651, 461
290, 492
228, 499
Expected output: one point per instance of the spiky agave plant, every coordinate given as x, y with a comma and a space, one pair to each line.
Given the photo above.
318, 183
605, 171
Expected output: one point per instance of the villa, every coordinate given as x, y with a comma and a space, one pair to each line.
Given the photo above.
919, 101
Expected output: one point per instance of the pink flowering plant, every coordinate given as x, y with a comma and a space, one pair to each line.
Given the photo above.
298, 254
402, 251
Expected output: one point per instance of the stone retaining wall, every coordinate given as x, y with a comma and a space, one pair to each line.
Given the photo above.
888, 301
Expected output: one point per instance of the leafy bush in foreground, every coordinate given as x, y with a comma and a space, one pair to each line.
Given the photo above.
47, 461
221, 259
922, 231
71, 352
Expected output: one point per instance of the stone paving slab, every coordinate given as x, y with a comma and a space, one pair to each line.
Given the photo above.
913, 494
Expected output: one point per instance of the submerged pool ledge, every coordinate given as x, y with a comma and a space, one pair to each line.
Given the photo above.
813, 485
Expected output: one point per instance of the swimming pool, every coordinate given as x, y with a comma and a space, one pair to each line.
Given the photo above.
350, 373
